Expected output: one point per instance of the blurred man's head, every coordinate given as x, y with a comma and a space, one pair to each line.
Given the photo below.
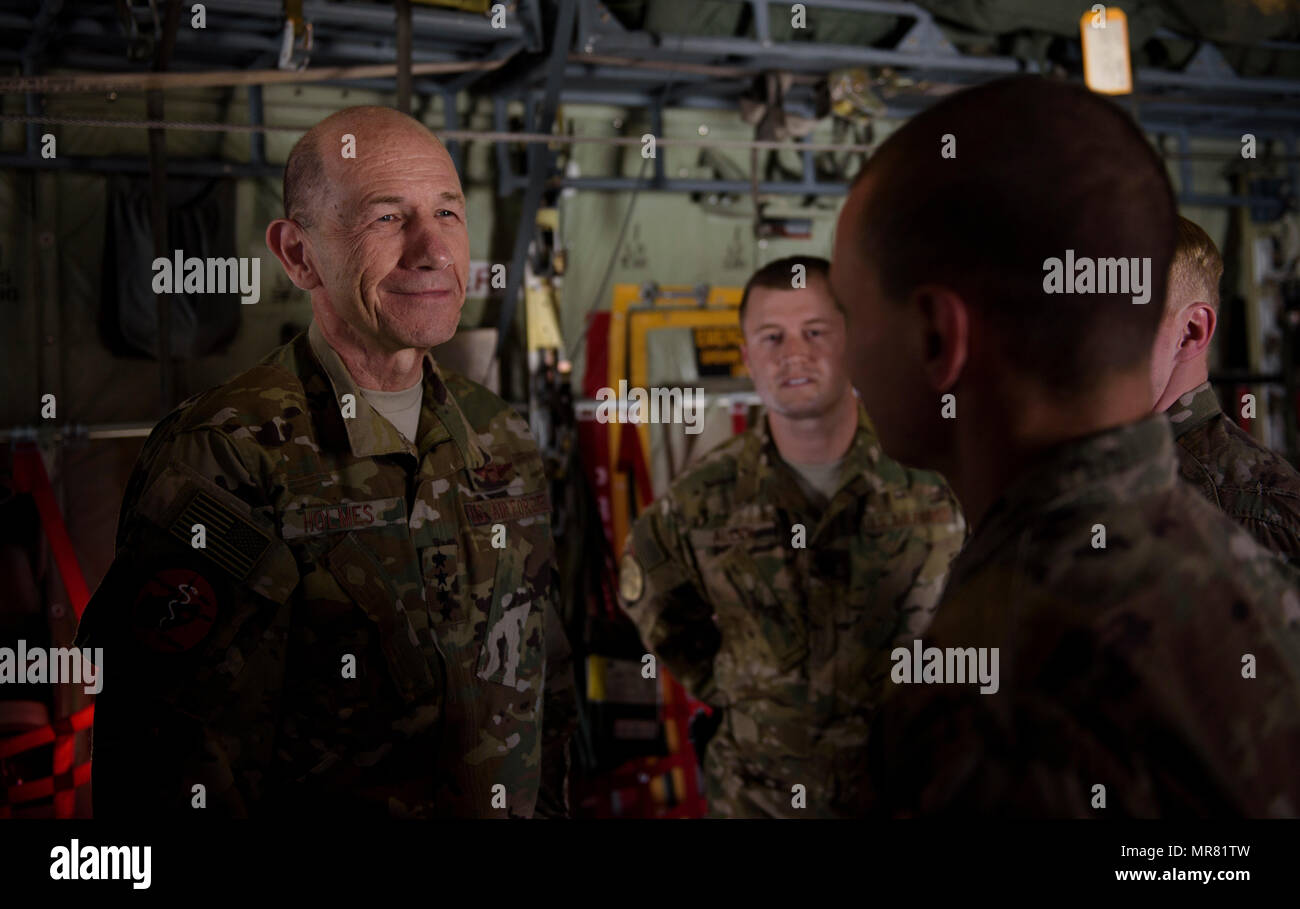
378, 239
940, 261
794, 338
1179, 361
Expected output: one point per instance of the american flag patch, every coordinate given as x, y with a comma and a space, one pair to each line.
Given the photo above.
231, 541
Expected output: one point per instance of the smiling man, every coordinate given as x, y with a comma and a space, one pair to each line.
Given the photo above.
333, 588
774, 577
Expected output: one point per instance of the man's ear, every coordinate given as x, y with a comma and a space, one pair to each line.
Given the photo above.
288, 240
944, 323
744, 356
1198, 320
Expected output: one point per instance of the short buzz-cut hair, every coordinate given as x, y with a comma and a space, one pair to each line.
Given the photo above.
304, 176
1197, 268
980, 191
779, 275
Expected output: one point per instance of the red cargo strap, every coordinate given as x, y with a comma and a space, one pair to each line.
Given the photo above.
30, 477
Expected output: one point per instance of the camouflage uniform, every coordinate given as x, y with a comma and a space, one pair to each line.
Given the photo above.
1119, 666
1254, 486
349, 642
792, 643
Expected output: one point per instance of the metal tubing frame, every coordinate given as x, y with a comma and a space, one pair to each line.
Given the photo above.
383, 18
509, 182
600, 83
325, 48
539, 166
257, 117
30, 57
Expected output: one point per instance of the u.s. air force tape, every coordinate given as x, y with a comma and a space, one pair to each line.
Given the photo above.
506, 508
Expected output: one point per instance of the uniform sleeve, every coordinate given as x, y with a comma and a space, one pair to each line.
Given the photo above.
662, 593
940, 540
1278, 533
938, 751
559, 717
942, 751
189, 630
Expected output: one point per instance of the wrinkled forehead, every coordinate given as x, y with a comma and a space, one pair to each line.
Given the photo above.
393, 154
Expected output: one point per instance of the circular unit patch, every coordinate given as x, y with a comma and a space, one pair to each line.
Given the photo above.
631, 579
174, 610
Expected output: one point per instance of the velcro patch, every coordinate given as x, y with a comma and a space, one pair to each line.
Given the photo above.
174, 610
338, 517
494, 475
233, 541
508, 508
631, 579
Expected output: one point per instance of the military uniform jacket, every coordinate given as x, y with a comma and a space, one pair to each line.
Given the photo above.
1254, 486
1148, 654
783, 617
364, 630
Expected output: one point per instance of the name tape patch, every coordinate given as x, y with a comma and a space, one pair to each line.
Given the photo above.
338, 517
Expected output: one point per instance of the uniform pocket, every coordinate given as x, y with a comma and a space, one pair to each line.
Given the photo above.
512, 652
361, 576
509, 661
484, 558
759, 627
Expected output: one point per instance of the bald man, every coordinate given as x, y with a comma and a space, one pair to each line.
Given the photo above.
1109, 644
333, 587
1251, 484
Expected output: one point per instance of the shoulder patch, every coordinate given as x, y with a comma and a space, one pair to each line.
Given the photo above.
236, 540
232, 541
174, 610
631, 579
